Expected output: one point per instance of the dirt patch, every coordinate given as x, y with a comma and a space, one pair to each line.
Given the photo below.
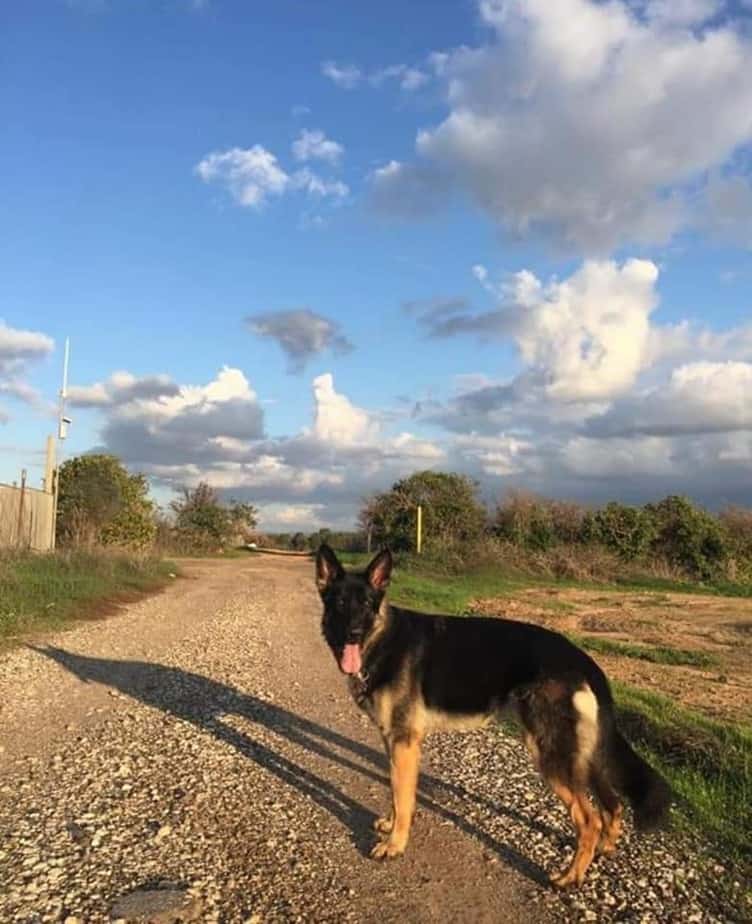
719, 626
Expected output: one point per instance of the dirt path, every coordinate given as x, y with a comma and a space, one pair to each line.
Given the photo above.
204, 739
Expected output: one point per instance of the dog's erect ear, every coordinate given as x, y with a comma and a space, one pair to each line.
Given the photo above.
380, 570
328, 568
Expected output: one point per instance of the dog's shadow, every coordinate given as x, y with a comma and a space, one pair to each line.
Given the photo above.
205, 703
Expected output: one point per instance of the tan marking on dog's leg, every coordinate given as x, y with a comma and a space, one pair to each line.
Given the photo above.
587, 822
405, 762
611, 811
383, 826
533, 748
612, 824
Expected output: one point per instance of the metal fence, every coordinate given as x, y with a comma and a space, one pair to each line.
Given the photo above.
25, 518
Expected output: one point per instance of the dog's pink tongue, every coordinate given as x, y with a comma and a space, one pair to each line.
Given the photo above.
350, 660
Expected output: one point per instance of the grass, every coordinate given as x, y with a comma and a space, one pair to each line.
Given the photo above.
657, 654
501, 574
423, 586
437, 594
44, 590
707, 762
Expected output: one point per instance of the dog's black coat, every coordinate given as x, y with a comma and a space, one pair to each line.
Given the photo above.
445, 668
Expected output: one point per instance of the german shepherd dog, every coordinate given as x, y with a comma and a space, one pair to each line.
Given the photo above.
414, 673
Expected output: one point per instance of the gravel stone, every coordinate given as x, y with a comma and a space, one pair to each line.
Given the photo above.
232, 761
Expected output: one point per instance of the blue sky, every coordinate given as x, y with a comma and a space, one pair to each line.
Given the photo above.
191, 187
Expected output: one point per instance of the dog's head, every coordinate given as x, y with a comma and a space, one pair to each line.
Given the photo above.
351, 603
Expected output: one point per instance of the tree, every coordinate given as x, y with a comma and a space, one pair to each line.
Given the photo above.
525, 519
298, 542
628, 531
689, 537
99, 501
452, 513
203, 520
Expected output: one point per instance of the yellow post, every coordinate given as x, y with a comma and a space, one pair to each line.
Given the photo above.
419, 542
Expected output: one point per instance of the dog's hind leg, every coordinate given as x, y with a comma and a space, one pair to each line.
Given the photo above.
404, 765
587, 822
611, 811
562, 726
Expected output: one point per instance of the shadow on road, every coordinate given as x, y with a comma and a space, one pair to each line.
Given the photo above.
205, 703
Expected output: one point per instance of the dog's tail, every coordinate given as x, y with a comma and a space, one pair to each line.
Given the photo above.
647, 791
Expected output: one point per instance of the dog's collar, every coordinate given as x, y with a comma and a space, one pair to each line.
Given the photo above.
360, 684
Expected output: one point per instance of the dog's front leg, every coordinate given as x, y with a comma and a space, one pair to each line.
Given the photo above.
385, 823
404, 763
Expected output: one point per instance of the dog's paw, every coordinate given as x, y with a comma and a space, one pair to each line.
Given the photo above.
565, 879
386, 850
383, 825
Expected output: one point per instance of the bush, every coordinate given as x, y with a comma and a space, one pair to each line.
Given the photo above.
628, 531
452, 514
204, 524
689, 537
537, 522
100, 502
523, 519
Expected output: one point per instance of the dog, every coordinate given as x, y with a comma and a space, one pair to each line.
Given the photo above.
414, 673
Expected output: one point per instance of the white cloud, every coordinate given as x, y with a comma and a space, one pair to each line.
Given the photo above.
121, 388
623, 459
587, 335
607, 403
317, 186
19, 349
582, 339
292, 517
408, 78
154, 422
215, 432
700, 397
251, 175
18, 346
337, 421
587, 121
413, 78
499, 456
346, 76
314, 145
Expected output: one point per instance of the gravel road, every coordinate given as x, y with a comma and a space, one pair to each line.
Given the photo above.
197, 757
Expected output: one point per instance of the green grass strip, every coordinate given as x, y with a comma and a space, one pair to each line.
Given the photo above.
657, 654
45, 590
707, 762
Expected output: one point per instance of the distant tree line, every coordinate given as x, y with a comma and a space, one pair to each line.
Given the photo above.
101, 503
674, 532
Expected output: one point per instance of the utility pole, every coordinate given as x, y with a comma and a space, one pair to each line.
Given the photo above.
49, 465
419, 530
62, 432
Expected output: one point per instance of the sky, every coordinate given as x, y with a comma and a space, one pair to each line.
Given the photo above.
302, 249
